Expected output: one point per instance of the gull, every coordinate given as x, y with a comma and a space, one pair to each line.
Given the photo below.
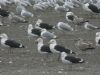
25, 13
26, 2
4, 2
42, 49
89, 26
60, 8
68, 4
34, 32
6, 42
40, 24
55, 48
47, 34
64, 26
4, 13
16, 18
71, 17
66, 59
91, 8
37, 7
84, 45
75, 20
19, 8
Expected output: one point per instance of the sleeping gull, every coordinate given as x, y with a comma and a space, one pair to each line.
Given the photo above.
64, 26
16, 18
19, 8
84, 45
47, 34
89, 26
4, 13
60, 8
67, 59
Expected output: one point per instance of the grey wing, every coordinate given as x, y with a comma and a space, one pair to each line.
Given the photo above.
66, 27
48, 35
27, 14
90, 26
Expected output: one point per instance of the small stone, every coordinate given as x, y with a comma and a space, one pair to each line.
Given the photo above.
0, 61
10, 62
19, 71
43, 72
59, 72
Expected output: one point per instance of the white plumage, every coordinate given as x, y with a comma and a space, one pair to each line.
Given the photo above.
65, 58
89, 26
25, 13
97, 39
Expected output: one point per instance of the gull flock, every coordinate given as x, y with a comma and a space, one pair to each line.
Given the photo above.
43, 30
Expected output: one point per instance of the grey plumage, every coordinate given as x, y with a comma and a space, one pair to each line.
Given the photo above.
47, 34
64, 26
90, 26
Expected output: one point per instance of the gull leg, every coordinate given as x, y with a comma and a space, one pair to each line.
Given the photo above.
59, 57
10, 51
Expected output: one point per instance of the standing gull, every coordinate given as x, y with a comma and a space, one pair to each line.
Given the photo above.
6, 42
33, 31
40, 24
55, 48
42, 49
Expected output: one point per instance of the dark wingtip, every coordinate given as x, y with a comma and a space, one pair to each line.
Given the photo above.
82, 61
23, 47
73, 53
